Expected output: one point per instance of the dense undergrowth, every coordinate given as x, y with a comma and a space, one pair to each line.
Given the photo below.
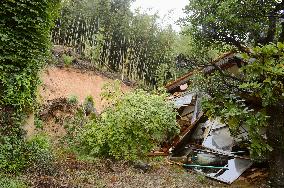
131, 126
24, 46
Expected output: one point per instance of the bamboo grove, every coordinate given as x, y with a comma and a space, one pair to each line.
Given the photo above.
111, 36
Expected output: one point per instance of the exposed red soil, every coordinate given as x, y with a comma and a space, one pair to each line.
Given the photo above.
65, 82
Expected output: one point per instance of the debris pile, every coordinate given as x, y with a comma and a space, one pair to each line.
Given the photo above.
207, 145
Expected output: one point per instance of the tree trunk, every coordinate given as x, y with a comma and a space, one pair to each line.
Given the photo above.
272, 28
281, 38
275, 135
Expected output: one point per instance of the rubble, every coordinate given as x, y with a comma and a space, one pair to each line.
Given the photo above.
235, 168
206, 145
219, 138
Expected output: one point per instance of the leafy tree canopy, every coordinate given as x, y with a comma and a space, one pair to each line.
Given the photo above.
254, 96
109, 34
254, 99
239, 23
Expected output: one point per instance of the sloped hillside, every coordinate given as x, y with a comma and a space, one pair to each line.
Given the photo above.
67, 82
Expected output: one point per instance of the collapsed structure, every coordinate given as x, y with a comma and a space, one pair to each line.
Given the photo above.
203, 144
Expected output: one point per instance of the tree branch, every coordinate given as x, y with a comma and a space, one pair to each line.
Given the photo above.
225, 74
229, 40
236, 43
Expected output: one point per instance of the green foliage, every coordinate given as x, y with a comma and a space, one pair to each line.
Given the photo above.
94, 52
24, 43
264, 76
112, 37
89, 106
233, 22
38, 123
192, 53
73, 128
15, 154
133, 126
73, 99
111, 92
247, 99
164, 73
12, 158
67, 60
89, 99
39, 154
11, 182
194, 50
24, 31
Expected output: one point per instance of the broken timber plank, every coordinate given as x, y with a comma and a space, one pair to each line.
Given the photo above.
187, 131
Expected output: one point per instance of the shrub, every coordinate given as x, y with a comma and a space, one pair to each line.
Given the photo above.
67, 60
89, 106
39, 155
12, 158
38, 123
89, 99
133, 126
73, 127
73, 99
16, 154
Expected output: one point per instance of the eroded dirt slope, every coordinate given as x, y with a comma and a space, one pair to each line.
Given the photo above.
65, 82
